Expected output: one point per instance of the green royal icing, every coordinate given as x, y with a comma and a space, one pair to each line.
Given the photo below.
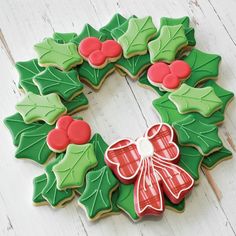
17, 126
92, 76
39, 184
27, 70
170, 41
203, 100
193, 132
169, 113
88, 31
65, 84
203, 66
33, 144
116, 21
96, 198
135, 40
71, 171
63, 37
47, 108
63, 56
215, 158
54, 196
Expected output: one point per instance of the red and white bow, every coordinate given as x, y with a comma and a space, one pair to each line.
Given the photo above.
148, 163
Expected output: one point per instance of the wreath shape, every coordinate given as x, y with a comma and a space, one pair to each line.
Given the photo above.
139, 177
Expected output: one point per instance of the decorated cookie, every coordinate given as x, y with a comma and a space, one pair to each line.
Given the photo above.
27, 70
46, 108
63, 56
63, 37
56, 198
135, 40
168, 77
68, 131
203, 100
65, 84
94, 77
150, 156
96, 198
193, 132
33, 145
71, 171
98, 53
170, 41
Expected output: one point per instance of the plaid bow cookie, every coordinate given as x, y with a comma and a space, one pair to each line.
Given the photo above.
148, 163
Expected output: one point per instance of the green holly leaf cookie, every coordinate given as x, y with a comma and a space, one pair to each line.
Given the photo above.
203, 100
184, 21
65, 84
125, 200
190, 161
27, 70
170, 41
96, 199
133, 66
39, 184
92, 76
71, 171
174, 207
55, 197
203, 66
224, 95
143, 81
78, 103
116, 21
217, 157
33, 145
63, 37
135, 40
63, 56
47, 108
169, 113
88, 31
17, 126
193, 132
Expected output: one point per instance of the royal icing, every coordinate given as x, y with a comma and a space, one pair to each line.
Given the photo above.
150, 166
68, 131
39, 184
63, 37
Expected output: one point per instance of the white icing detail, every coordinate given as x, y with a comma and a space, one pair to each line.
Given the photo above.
144, 147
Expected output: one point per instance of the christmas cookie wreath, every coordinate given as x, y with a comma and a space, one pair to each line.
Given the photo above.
139, 177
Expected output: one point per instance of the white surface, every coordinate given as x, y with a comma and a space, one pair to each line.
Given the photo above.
120, 109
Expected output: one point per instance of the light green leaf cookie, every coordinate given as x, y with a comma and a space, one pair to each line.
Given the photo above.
63, 56
71, 171
96, 199
193, 132
134, 41
203, 100
65, 84
35, 107
170, 41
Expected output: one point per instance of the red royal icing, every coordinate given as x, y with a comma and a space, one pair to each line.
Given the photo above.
89, 45
180, 68
111, 48
68, 131
158, 71
171, 81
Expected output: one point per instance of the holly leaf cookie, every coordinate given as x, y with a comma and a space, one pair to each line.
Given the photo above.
55, 197
71, 171
63, 56
170, 41
193, 132
96, 199
203, 100
33, 145
47, 108
27, 70
17, 126
134, 41
63, 37
116, 21
204, 66
65, 84
39, 184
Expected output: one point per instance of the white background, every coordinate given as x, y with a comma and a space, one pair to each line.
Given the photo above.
120, 109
